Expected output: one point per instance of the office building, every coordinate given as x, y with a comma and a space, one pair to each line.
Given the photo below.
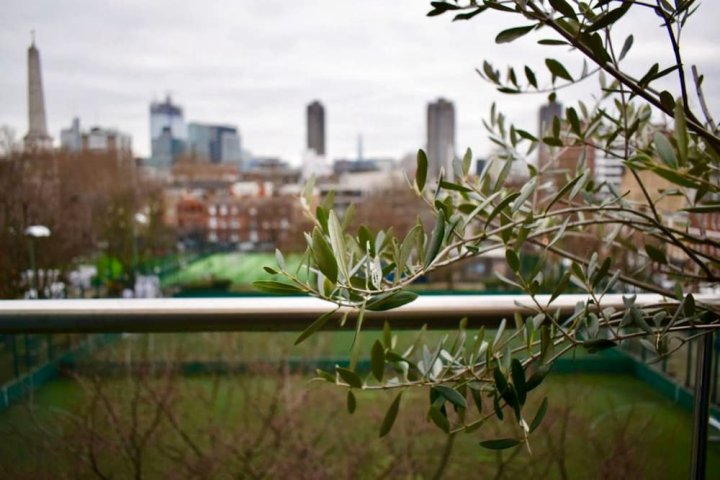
440, 138
560, 164
547, 114
168, 133
214, 143
316, 128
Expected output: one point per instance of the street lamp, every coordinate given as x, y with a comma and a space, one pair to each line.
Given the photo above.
34, 232
138, 219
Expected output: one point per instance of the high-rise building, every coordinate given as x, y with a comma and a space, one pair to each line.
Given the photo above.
37, 137
168, 133
316, 128
548, 113
565, 159
214, 143
71, 138
440, 138
96, 140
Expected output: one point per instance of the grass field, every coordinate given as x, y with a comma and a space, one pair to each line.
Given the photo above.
266, 426
240, 268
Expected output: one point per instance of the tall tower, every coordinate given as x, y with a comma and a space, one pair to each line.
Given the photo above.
316, 128
564, 161
440, 137
547, 115
168, 133
37, 137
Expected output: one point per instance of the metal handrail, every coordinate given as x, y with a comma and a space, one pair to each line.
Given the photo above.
271, 313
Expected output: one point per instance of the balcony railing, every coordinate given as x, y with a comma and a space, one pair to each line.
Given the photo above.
267, 313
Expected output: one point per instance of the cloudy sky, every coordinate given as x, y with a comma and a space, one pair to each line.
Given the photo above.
374, 64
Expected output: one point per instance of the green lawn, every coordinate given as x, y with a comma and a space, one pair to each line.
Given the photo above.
240, 268
284, 427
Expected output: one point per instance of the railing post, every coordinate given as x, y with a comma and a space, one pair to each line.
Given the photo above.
698, 454
716, 362
688, 363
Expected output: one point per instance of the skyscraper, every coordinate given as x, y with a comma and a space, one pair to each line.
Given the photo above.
564, 160
168, 133
548, 113
214, 143
37, 137
316, 128
440, 138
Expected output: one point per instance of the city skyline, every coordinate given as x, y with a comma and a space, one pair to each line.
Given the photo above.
256, 67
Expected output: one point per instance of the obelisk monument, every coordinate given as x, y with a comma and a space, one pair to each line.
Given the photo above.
37, 137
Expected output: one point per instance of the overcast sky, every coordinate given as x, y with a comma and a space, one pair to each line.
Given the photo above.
374, 64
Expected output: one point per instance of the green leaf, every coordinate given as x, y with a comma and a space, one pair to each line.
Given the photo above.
496, 407
656, 254
539, 415
439, 419
390, 300
315, 326
276, 287
704, 208
512, 259
390, 416
518, 378
525, 193
667, 100
324, 256
421, 173
436, 239
377, 360
366, 240
561, 286
665, 150
552, 41
451, 395
626, 47
563, 191
610, 17
322, 374
454, 186
557, 69
689, 305
675, 177
270, 270
564, 8
350, 377
467, 160
337, 241
351, 402
500, 206
469, 15
500, 444
507, 36
574, 120
532, 80
537, 377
